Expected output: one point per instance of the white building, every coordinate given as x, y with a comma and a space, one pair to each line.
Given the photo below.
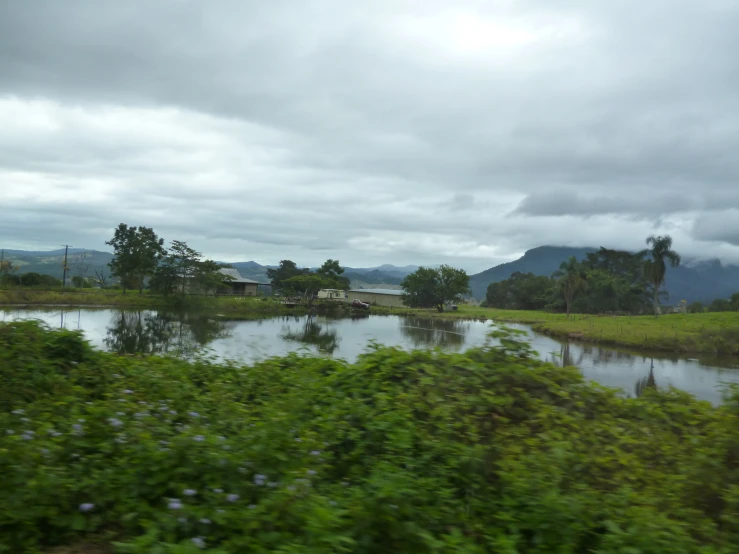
332, 294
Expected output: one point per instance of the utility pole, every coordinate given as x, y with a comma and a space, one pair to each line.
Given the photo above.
64, 274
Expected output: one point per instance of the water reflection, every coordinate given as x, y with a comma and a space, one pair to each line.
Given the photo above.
313, 333
647, 382
145, 332
426, 333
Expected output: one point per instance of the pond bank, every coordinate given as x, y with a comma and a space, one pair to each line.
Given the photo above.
706, 333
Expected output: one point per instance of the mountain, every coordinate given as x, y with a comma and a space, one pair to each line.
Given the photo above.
79, 261
543, 260
383, 275
692, 281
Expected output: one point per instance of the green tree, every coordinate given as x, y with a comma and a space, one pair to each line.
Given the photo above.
696, 308
136, 254
209, 278
333, 270
659, 255
432, 288
287, 270
521, 291
570, 280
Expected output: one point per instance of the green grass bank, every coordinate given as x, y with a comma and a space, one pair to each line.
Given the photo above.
704, 333
489, 451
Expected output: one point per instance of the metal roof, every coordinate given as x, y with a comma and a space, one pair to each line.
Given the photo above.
236, 276
393, 292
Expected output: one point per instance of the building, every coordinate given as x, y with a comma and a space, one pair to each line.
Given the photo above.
378, 297
332, 294
238, 284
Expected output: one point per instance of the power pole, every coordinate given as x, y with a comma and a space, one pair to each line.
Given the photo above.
64, 275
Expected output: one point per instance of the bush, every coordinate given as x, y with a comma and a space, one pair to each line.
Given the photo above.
486, 451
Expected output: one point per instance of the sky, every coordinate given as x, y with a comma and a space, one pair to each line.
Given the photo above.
387, 131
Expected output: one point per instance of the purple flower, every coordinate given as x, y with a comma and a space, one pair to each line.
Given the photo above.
193, 414
189, 492
174, 504
86, 507
232, 497
198, 438
260, 479
115, 422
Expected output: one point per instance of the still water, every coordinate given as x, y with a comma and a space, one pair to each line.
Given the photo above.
191, 334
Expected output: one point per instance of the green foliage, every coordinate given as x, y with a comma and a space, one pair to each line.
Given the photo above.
522, 291
287, 270
136, 254
31, 279
308, 285
655, 267
333, 270
696, 308
421, 452
571, 280
433, 288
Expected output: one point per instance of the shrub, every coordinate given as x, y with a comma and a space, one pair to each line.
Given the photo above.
420, 452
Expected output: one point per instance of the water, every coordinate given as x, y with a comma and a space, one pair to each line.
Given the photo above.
188, 334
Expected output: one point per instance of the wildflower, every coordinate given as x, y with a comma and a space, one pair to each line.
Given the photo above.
115, 422
25, 420
193, 414
173, 412
120, 413
127, 391
218, 491
198, 541
221, 438
205, 521
232, 497
120, 440
18, 412
260, 479
189, 492
86, 507
174, 504
78, 429
26, 437
198, 438
315, 453
311, 472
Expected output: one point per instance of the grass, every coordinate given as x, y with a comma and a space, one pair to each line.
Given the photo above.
421, 452
707, 333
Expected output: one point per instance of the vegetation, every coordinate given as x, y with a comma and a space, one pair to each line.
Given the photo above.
486, 451
655, 267
286, 270
606, 281
433, 288
136, 254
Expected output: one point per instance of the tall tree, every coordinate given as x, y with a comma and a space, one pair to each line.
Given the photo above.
287, 270
309, 285
432, 288
659, 255
571, 281
136, 254
333, 270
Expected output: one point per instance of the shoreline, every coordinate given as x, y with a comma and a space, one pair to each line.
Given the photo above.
683, 334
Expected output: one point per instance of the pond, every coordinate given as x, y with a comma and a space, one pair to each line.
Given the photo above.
189, 334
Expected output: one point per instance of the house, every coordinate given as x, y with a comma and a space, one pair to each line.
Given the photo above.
378, 297
238, 284
332, 294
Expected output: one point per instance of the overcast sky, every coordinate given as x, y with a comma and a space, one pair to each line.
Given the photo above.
387, 131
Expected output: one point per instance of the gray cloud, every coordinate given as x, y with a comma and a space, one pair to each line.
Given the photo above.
449, 131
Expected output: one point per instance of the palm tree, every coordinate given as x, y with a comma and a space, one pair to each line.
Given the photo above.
570, 281
655, 267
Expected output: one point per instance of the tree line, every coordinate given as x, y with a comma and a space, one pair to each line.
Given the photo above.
605, 281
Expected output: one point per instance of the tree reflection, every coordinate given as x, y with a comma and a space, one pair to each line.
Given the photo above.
566, 357
314, 334
424, 332
143, 332
647, 382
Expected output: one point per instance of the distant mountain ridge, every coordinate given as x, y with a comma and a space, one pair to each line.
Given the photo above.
51, 263
692, 281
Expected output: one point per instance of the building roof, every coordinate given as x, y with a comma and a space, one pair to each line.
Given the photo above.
393, 292
236, 276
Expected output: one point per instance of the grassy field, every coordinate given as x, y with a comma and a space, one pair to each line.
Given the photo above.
486, 451
716, 332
